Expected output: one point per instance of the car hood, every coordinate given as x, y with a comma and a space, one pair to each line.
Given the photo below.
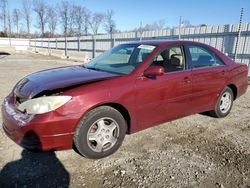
56, 79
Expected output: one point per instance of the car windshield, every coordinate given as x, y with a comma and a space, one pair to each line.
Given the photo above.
122, 59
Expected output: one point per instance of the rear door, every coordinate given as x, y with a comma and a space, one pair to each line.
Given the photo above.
208, 77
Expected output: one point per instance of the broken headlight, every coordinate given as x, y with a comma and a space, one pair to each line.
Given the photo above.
43, 104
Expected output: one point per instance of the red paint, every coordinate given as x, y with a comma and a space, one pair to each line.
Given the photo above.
148, 100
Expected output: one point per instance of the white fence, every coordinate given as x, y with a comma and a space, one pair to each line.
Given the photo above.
18, 44
222, 37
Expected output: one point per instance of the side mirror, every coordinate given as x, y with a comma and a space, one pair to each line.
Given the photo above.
154, 71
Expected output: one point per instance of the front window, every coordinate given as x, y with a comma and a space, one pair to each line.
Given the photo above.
172, 59
122, 59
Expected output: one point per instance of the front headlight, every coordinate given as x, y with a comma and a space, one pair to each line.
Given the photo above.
43, 104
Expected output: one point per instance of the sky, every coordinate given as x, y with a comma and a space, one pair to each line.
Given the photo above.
128, 14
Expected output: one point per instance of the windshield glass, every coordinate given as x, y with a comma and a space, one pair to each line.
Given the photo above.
122, 59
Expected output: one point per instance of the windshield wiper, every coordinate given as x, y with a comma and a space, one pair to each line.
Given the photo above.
92, 68
96, 69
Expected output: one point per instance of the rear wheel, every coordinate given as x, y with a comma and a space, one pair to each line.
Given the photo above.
224, 103
100, 133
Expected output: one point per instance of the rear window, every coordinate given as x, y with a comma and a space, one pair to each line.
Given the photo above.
202, 57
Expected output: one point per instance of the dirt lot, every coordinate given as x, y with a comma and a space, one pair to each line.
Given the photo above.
196, 151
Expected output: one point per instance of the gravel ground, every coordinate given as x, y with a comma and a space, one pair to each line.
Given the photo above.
196, 151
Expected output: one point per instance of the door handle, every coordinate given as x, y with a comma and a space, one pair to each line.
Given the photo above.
187, 80
223, 72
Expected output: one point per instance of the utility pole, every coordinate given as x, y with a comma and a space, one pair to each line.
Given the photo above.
180, 28
238, 37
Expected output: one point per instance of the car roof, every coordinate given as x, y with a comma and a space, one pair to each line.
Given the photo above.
158, 42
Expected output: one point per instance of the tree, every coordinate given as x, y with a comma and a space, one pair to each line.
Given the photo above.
3, 34
86, 21
95, 21
4, 13
203, 25
52, 20
40, 8
78, 13
64, 13
109, 24
186, 23
9, 23
26, 12
16, 19
156, 25
71, 27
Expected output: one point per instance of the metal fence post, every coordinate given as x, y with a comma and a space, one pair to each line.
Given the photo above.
66, 47
94, 47
78, 44
141, 36
49, 46
113, 41
10, 41
56, 43
179, 36
238, 36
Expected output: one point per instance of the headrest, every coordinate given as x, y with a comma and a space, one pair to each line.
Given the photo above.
204, 58
165, 54
176, 60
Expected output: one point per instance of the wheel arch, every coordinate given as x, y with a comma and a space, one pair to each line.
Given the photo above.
122, 110
234, 89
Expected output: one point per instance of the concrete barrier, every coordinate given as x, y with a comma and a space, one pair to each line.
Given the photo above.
7, 49
74, 55
14, 43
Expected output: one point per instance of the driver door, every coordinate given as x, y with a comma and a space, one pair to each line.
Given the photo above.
165, 97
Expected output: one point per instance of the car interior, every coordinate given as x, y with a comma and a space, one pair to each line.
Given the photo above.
171, 59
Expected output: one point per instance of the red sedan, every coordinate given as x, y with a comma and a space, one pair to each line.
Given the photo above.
127, 89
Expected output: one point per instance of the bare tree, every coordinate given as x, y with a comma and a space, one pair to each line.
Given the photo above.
64, 13
4, 13
16, 19
9, 23
52, 20
71, 20
40, 8
26, 11
186, 23
109, 24
86, 21
95, 21
156, 25
78, 16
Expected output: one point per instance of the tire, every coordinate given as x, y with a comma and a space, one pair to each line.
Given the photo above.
224, 103
100, 133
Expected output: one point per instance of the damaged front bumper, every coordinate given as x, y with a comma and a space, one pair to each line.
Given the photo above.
45, 132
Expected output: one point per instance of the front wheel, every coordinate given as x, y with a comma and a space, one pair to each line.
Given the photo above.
224, 103
100, 133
